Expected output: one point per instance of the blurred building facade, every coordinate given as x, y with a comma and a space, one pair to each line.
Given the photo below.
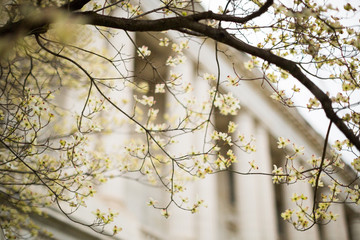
237, 207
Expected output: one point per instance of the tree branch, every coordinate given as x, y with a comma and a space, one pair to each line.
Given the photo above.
75, 5
223, 36
37, 23
191, 24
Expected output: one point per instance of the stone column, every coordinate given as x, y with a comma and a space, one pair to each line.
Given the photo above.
266, 190
336, 229
354, 226
206, 221
182, 225
113, 144
255, 193
202, 225
307, 190
124, 196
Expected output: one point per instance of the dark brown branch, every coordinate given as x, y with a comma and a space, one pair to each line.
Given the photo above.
191, 23
231, 18
223, 36
39, 22
292, 67
36, 25
24, 27
259, 12
75, 5
317, 181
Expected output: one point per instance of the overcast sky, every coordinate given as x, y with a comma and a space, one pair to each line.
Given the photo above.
316, 119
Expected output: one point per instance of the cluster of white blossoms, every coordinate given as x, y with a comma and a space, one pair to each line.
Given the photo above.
234, 81
226, 103
132, 10
145, 100
180, 58
315, 173
143, 51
